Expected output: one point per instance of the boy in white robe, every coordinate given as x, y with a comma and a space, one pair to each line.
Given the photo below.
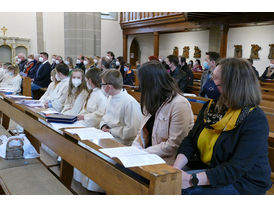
123, 114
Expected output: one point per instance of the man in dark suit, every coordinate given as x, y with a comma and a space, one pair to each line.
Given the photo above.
42, 76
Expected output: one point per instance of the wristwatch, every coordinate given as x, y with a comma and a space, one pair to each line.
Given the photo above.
194, 180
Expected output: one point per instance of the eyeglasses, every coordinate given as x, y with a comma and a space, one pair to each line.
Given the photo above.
104, 84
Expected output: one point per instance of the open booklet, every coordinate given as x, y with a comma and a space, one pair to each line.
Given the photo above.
132, 156
30, 103
90, 133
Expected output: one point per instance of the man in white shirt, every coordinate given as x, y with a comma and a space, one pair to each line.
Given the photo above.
61, 90
123, 114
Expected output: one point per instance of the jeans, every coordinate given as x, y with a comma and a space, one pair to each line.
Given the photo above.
34, 87
209, 190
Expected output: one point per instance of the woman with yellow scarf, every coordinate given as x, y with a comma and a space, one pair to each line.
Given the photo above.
226, 152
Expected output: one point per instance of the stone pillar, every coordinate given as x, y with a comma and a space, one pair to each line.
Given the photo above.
214, 39
40, 32
125, 37
82, 34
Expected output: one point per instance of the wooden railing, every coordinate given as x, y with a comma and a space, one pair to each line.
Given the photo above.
138, 16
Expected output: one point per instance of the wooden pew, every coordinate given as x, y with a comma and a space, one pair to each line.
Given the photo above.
26, 86
106, 172
197, 75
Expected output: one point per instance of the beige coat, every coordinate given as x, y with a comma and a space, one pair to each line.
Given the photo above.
173, 121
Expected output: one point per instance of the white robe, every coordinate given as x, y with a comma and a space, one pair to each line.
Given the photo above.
48, 94
95, 108
73, 104
123, 116
12, 83
60, 94
2, 73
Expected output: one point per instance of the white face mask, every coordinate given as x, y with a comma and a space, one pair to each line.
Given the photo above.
108, 57
19, 60
271, 65
76, 82
10, 74
117, 63
29, 60
85, 62
78, 61
95, 61
57, 77
41, 59
53, 60
89, 86
67, 62
57, 62
51, 79
104, 92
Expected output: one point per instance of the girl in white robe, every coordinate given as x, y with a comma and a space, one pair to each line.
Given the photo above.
12, 80
77, 93
48, 94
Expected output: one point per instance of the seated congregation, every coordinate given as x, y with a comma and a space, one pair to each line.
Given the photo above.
224, 150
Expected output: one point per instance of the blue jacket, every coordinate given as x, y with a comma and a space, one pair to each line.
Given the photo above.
240, 156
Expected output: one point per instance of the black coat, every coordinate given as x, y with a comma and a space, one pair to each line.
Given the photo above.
265, 73
240, 156
180, 77
42, 76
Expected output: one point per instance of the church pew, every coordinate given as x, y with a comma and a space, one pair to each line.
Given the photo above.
197, 75
26, 86
110, 175
268, 97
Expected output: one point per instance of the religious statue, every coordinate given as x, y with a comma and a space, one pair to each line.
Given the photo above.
186, 52
254, 51
176, 51
271, 51
4, 30
238, 51
197, 52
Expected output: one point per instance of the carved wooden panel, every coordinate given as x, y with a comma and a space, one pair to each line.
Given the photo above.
197, 52
238, 51
186, 52
255, 51
271, 51
176, 51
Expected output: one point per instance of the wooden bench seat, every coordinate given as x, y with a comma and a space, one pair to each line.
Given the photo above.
32, 179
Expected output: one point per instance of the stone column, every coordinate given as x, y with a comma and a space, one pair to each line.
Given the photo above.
82, 34
214, 39
40, 32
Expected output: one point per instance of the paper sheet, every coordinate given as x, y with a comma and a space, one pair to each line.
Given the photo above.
15, 96
62, 125
132, 156
90, 133
49, 111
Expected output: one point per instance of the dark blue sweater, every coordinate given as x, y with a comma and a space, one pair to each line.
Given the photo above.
240, 156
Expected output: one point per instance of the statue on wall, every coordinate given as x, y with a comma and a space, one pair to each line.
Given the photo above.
238, 51
186, 52
255, 51
271, 51
176, 51
197, 52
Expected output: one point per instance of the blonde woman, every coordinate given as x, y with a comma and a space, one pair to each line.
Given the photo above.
77, 93
89, 63
12, 80
51, 87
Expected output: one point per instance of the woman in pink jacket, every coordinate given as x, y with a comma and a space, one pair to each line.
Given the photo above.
167, 114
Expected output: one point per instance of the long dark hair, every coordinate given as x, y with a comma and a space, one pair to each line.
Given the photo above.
156, 86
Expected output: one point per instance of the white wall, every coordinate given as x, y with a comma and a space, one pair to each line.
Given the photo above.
168, 41
111, 37
53, 33
20, 24
245, 36
181, 39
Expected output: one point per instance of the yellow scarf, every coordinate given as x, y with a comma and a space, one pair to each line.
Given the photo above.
208, 137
